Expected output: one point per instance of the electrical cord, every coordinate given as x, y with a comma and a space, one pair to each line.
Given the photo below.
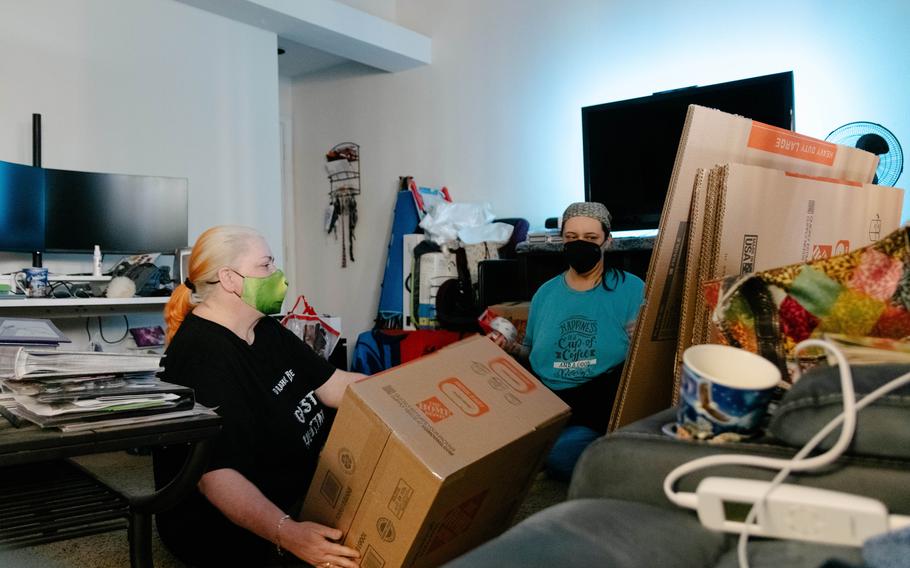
126, 332
69, 291
799, 462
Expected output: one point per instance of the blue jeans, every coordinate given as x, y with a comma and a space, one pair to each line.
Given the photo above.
565, 452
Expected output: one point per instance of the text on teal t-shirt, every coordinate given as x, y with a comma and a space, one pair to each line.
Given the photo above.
575, 336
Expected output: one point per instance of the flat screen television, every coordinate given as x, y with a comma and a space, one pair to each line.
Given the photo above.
630, 146
69, 211
121, 213
21, 208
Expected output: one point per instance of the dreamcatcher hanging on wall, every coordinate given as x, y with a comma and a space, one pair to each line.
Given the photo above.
343, 167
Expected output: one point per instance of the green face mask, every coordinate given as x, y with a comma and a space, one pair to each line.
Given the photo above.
265, 293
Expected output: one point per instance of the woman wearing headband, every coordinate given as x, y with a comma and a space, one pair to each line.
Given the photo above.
578, 332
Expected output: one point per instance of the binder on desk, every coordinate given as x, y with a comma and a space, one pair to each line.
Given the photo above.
29, 331
17, 363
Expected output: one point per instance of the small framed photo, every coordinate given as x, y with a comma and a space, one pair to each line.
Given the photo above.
182, 263
148, 336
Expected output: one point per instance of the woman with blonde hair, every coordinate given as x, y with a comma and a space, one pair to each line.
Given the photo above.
275, 398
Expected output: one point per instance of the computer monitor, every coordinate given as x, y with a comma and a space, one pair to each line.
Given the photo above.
121, 213
630, 146
21, 208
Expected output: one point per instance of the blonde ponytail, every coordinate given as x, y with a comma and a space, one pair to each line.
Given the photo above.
216, 248
176, 309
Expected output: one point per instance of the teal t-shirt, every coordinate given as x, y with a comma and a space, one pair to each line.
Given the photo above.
575, 336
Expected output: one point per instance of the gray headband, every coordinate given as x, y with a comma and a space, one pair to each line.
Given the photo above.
590, 209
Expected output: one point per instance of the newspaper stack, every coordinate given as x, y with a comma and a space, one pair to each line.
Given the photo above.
75, 390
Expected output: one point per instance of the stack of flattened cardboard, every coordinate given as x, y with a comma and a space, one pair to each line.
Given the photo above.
710, 137
431, 458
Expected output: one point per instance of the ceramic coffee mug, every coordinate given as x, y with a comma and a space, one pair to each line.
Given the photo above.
33, 282
724, 389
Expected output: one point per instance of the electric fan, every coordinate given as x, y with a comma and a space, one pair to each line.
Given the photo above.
877, 139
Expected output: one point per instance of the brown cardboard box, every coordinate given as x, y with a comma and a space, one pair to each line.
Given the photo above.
709, 137
515, 312
767, 218
431, 458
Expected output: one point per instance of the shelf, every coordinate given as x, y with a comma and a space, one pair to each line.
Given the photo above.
79, 307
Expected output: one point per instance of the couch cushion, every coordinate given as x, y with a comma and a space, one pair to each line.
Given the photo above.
600, 532
632, 463
788, 553
881, 429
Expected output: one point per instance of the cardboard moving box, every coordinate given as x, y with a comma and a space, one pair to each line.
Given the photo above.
431, 458
709, 137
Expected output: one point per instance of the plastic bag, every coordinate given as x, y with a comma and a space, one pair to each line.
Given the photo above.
321, 333
493, 233
444, 220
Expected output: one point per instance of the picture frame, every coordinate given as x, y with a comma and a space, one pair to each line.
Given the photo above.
182, 263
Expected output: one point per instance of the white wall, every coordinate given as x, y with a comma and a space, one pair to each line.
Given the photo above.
146, 87
496, 116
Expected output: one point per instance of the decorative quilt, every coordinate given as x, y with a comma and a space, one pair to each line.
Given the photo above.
865, 292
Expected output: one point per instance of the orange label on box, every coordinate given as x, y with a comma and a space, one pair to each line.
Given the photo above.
513, 375
779, 141
829, 180
827, 251
463, 397
434, 409
821, 251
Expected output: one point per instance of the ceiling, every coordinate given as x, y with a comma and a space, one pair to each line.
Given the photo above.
317, 34
299, 59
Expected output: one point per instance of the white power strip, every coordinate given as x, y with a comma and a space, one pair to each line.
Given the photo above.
790, 511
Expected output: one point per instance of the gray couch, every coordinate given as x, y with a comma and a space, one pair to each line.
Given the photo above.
617, 515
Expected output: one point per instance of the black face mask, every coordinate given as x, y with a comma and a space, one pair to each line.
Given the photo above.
582, 255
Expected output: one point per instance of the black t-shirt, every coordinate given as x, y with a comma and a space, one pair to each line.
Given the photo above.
273, 427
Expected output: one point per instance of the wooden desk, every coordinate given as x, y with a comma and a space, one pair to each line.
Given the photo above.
34, 473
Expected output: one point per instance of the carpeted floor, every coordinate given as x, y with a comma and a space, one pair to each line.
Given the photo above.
132, 474
125, 472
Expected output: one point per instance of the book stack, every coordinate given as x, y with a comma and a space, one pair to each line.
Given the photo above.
74, 390
547, 240
545, 236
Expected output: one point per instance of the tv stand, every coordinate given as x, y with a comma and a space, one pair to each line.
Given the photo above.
517, 279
